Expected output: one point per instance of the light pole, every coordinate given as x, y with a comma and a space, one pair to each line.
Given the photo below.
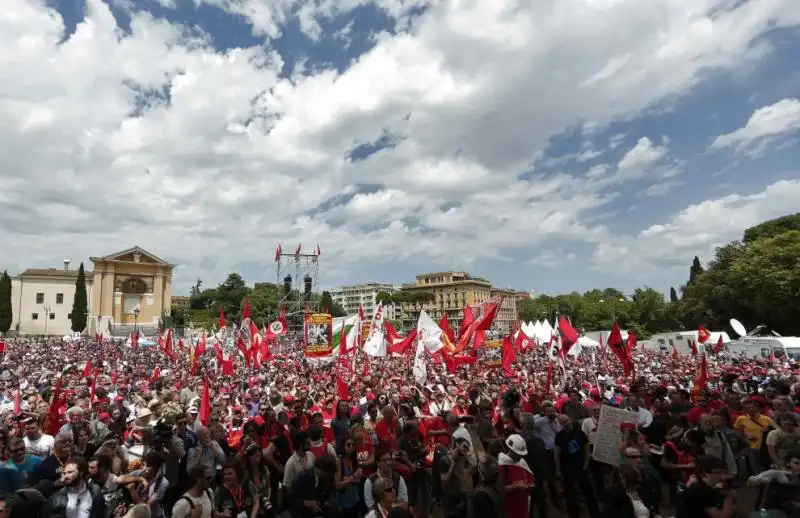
135, 319
46, 318
99, 320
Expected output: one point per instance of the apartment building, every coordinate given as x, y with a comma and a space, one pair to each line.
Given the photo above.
364, 295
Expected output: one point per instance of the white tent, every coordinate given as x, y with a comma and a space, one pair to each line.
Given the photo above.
585, 341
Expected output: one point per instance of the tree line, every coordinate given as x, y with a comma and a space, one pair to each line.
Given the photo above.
755, 279
231, 295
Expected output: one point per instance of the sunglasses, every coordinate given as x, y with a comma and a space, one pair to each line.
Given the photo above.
349, 445
17, 450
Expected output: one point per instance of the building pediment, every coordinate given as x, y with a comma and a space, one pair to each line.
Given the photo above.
133, 255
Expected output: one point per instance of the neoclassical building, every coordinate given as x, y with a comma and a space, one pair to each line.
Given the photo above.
127, 281
125, 289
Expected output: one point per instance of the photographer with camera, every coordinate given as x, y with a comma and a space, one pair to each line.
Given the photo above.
163, 441
457, 470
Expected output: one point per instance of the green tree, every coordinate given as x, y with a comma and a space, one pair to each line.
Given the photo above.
264, 302
386, 298
772, 228
230, 296
325, 302
337, 310
756, 281
80, 304
526, 310
695, 271
6, 316
673, 295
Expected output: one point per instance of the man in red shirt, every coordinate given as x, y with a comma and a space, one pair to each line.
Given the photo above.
387, 430
701, 407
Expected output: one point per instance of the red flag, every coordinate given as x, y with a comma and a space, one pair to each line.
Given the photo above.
52, 423
631, 341
221, 317
569, 335
523, 342
156, 375
702, 334
467, 320
701, 381
341, 388
297, 252
343, 341
509, 356
278, 252
318, 252
246, 310
204, 412
2, 346
693, 347
720, 345
17, 402
87, 369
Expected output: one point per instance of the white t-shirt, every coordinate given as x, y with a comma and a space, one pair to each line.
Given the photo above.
182, 509
41, 447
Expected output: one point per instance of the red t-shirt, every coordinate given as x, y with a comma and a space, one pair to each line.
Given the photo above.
517, 501
438, 423
364, 449
387, 434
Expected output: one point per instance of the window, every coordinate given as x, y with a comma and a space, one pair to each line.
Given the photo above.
69, 316
40, 298
59, 298
52, 316
34, 316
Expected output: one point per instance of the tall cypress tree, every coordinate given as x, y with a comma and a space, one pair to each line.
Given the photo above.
695, 270
80, 304
6, 316
673, 295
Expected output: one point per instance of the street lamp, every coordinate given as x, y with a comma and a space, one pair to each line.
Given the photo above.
135, 319
46, 318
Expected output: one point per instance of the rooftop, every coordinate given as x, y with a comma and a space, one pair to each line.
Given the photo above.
54, 272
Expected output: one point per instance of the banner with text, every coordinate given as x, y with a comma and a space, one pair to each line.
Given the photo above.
365, 331
492, 353
319, 336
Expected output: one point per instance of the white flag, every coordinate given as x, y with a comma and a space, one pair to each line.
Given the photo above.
429, 333
429, 337
376, 341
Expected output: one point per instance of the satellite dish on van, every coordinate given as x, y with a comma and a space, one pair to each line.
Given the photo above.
738, 328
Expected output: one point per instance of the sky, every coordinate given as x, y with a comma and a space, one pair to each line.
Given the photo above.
547, 145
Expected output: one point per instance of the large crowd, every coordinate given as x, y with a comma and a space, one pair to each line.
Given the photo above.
96, 428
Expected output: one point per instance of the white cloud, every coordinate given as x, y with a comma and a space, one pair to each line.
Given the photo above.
158, 139
640, 158
696, 230
765, 125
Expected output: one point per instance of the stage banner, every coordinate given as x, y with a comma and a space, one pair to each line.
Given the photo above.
492, 353
319, 336
365, 331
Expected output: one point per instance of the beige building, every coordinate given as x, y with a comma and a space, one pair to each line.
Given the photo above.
127, 281
41, 299
180, 301
125, 289
451, 291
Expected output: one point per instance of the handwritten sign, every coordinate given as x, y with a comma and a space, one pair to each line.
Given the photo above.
606, 446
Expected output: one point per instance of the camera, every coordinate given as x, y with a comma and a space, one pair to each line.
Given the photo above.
160, 435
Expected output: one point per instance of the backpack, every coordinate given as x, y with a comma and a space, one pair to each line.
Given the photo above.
191, 504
